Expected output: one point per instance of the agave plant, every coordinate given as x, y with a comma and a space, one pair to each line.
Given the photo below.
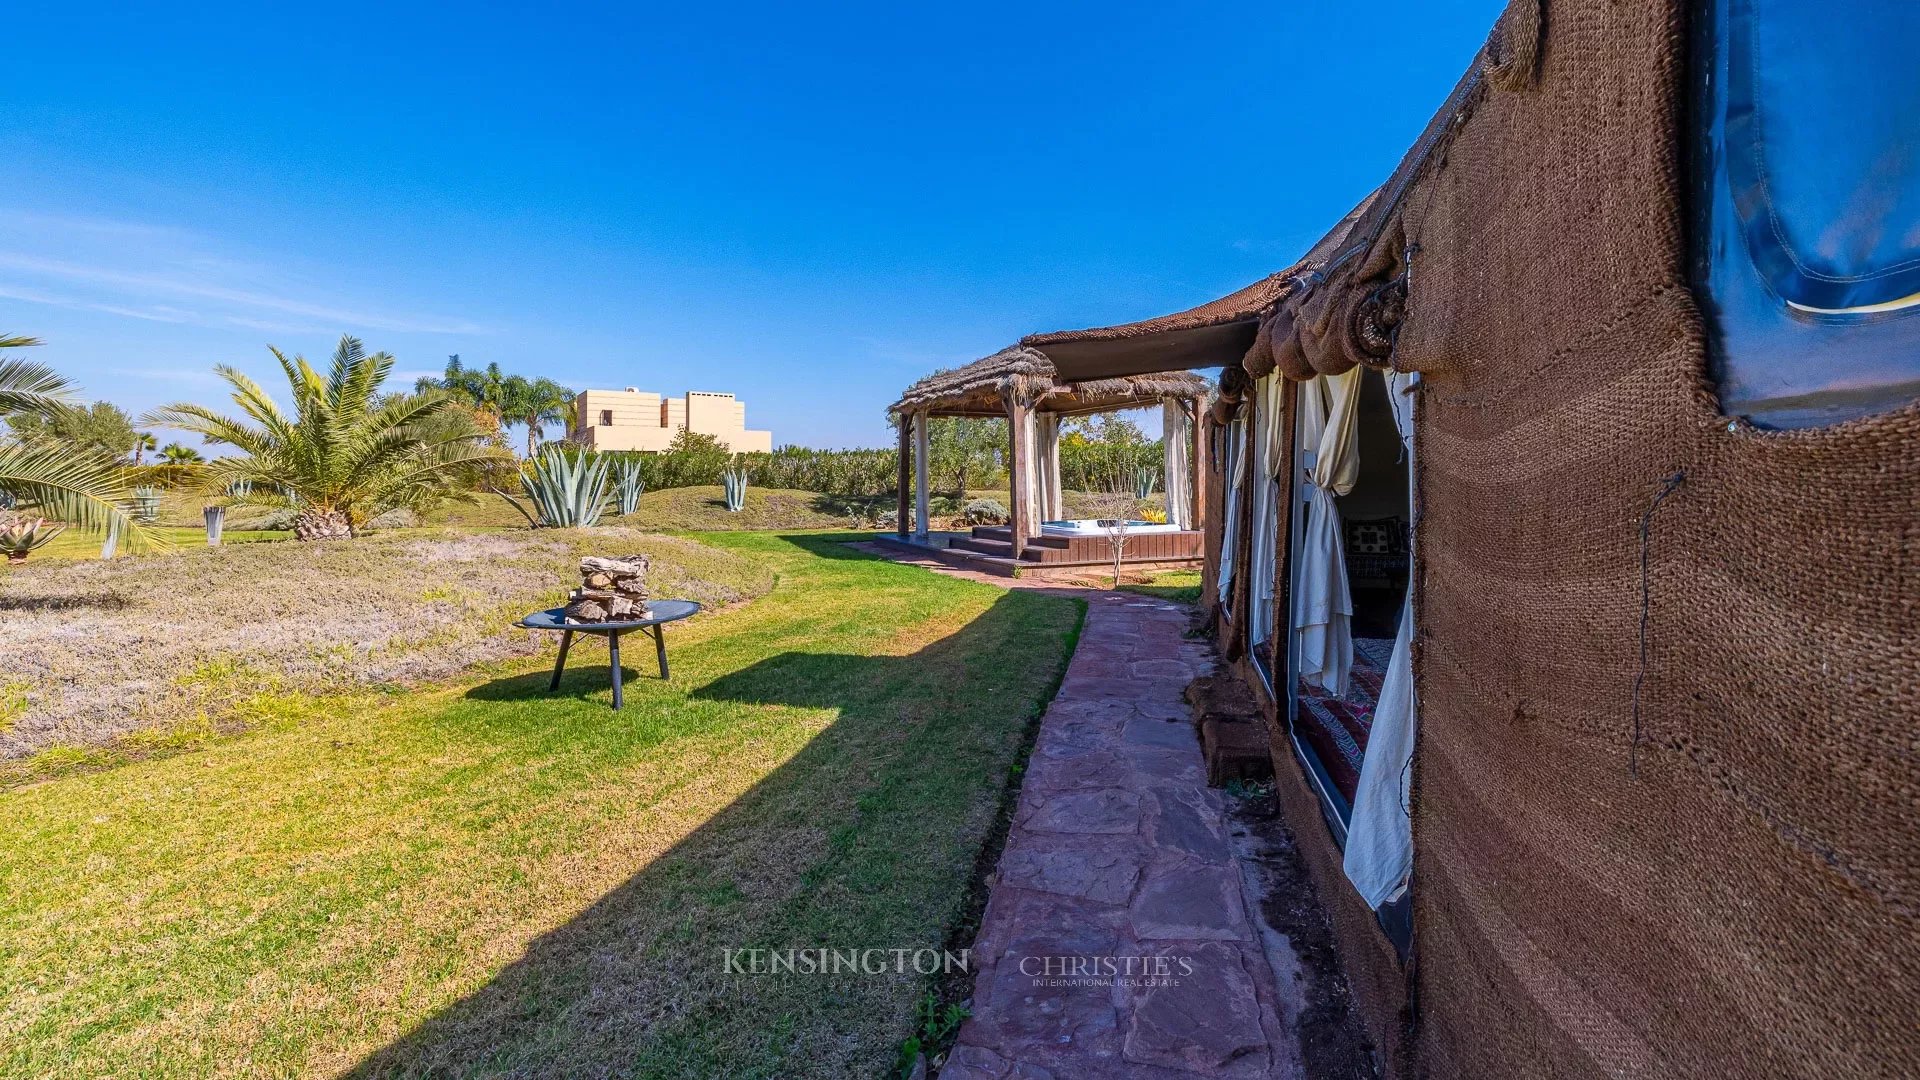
567, 487
146, 502
735, 482
627, 484
1144, 479
20, 537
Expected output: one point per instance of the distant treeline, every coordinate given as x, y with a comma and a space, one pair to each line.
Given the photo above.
697, 460
1102, 454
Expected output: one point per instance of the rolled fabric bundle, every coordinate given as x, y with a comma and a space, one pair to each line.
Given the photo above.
1513, 50
1376, 322
1323, 328
1234, 383
1259, 359
1221, 411
1353, 346
1289, 358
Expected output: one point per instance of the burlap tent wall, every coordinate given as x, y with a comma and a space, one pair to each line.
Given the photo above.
1664, 825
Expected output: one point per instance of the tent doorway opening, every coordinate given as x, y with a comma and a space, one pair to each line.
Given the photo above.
1371, 494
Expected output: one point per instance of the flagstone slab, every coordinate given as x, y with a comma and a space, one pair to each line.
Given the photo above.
1106, 810
1102, 872
1205, 1018
1192, 900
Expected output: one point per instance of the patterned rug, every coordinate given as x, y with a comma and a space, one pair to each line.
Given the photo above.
1337, 728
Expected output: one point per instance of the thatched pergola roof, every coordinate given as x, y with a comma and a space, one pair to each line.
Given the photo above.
988, 385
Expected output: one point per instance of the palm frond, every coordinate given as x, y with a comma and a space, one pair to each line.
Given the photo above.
75, 486
29, 387
212, 426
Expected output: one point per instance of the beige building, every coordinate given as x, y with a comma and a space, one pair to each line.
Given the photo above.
631, 420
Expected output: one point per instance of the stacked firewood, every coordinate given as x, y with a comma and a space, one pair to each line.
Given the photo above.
611, 590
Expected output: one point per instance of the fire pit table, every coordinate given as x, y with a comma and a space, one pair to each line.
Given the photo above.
659, 613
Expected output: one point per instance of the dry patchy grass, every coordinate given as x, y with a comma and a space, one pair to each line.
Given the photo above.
150, 651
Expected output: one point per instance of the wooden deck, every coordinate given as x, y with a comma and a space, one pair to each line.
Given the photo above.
989, 548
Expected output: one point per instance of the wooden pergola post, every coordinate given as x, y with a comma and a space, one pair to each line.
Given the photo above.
1202, 461
1020, 469
900, 515
921, 454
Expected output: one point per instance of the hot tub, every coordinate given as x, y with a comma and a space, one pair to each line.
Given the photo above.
1093, 527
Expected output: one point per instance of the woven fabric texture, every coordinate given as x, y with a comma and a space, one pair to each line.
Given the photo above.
1665, 824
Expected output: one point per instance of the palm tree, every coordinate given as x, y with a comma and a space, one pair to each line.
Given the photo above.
345, 454
537, 404
175, 454
143, 444
488, 390
64, 481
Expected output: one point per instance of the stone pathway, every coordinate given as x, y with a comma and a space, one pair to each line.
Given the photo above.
1116, 940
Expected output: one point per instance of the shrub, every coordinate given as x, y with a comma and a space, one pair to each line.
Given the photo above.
985, 512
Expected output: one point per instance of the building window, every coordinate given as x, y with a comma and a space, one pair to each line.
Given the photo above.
606, 417
1804, 206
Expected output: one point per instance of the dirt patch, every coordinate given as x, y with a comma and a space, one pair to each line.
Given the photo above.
1332, 1041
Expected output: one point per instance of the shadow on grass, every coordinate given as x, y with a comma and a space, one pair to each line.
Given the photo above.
34, 605
581, 682
866, 838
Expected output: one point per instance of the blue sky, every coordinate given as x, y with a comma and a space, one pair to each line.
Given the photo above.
808, 206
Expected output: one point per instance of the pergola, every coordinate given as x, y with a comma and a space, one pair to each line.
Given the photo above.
1023, 386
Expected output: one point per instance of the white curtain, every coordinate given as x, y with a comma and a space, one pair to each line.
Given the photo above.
1176, 431
1323, 613
1051, 503
1380, 837
1036, 471
1236, 472
1268, 429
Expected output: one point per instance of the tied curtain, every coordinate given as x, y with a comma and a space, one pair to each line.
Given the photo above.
1230, 521
1033, 428
1051, 504
1269, 425
1323, 614
1176, 431
1379, 854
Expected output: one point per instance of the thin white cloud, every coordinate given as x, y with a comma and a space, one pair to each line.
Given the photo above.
163, 273
159, 313
148, 284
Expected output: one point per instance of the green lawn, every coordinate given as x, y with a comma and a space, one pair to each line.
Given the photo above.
1182, 586
484, 879
689, 509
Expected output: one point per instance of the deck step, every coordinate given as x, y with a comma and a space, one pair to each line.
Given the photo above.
984, 546
1004, 535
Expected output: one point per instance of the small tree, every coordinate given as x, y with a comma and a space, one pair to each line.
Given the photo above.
966, 451
344, 455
